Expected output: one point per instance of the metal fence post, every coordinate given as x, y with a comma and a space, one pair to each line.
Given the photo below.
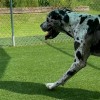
12, 23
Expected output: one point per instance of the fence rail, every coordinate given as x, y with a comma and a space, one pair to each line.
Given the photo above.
20, 10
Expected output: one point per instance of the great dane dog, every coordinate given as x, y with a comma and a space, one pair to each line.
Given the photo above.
84, 28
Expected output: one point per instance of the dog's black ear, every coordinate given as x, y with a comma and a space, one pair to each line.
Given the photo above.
55, 15
66, 18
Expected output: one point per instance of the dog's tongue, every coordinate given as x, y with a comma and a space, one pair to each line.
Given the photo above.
47, 36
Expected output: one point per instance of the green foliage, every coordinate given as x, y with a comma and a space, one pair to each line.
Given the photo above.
19, 3
26, 3
34, 3
6, 3
61, 3
43, 3
95, 5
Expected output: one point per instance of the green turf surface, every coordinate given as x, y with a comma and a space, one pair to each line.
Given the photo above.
25, 70
33, 40
24, 24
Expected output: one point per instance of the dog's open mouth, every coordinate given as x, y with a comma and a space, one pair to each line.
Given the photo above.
51, 34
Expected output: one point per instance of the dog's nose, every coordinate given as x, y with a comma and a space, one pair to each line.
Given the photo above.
44, 26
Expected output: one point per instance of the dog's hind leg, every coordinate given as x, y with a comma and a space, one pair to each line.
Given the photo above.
81, 56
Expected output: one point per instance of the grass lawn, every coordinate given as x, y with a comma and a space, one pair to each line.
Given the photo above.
24, 70
24, 24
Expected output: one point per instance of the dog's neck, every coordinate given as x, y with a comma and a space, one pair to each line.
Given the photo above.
69, 27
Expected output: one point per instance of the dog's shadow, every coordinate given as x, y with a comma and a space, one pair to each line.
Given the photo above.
30, 88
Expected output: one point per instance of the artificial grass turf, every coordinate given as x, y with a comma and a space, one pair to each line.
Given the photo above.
25, 70
24, 24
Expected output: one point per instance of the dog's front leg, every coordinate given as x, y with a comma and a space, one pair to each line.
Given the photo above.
73, 70
81, 56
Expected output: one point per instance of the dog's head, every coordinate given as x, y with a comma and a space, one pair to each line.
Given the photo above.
54, 23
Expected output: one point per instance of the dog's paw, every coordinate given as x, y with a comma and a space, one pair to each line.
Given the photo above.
50, 85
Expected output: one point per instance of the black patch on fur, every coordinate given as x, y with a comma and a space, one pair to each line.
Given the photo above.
95, 48
76, 45
93, 24
55, 15
74, 60
98, 28
80, 16
99, 15
82, 19
69, 34
68, 10
47, 20
78, 54
77, 38
71, 73
62, 12
66, 18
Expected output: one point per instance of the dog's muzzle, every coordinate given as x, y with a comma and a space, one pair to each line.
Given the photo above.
45, 27
52, 33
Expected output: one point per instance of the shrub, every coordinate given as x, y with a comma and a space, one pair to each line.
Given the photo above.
95, 5
6, 3
43, 3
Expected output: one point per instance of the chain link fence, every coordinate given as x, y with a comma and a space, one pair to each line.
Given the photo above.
29, 14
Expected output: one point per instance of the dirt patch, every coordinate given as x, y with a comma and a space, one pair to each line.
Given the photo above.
37, 9
26, 10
